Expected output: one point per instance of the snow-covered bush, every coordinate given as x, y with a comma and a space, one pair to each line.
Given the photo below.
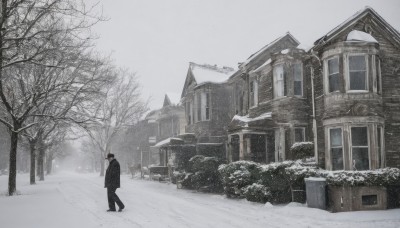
379, 177
237, 175
257, 193
302, 150
202, 174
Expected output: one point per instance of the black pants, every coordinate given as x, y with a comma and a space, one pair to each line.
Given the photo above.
113, 198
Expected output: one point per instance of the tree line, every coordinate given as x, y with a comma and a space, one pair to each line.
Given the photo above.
52, 81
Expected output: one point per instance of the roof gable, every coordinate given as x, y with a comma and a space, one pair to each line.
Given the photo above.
356, 19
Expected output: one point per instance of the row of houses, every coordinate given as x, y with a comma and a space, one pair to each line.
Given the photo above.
343, 94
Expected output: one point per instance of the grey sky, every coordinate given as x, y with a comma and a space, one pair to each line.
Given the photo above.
158, 38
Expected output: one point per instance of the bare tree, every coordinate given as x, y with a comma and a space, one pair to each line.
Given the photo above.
121, 106
47, 34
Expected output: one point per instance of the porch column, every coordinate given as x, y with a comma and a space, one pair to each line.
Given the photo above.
229, 149
241, 147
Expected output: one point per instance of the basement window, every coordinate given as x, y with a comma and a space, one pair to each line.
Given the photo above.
369, 200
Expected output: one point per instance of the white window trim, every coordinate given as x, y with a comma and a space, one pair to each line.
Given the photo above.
329, 147
382, 163
302, 79
326, 73
351, 145
347, 73
374, 74
380, 77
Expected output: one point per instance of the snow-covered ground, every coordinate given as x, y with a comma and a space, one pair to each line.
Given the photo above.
79, 200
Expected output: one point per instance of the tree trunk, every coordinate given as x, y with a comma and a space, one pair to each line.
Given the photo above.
32, 145
12, 177
101, 165
41, 163
49, 164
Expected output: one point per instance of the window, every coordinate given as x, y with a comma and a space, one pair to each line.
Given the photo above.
298, 79
198, 106
380, 148
379, 78
253, 93
299, 134
205, 106
333, 74
189, 111
279, 81
369, 200
336, 147
359, 148
357, 72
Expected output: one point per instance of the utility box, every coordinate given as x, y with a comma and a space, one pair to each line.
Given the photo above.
316, 192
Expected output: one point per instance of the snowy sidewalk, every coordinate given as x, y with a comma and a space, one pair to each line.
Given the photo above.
79, 200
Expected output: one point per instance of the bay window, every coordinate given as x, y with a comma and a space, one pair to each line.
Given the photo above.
279, 81
253, 93
336, 148
359, 148
357, 72
333, 74
298, 79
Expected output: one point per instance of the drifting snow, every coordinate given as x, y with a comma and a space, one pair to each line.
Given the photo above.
356, 35
79, 200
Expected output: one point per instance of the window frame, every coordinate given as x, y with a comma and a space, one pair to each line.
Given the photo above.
302, 79
326, 71
330, 147
347, 78
351, 145
253, 94
303, 130
276, 81
380, 150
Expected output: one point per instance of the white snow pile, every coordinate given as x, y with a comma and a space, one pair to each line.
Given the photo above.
356, 35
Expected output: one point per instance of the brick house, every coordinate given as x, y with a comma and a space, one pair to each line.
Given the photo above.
271, 103
357, 94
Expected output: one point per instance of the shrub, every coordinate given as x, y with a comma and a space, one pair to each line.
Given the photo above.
380, 177
237, 175
257, 193
301, 150
202, 174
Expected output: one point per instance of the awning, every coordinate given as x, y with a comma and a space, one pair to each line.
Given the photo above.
246, 122
168, 141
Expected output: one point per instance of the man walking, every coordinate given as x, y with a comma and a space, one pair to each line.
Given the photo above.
112, 182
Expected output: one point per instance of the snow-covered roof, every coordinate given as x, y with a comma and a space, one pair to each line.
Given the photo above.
174, 98
253, 56
210, 73
166, 141
356, 35
247, 119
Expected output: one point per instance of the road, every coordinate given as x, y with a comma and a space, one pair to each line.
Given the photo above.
79, 200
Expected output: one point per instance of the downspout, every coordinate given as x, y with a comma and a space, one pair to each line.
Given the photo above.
313, 107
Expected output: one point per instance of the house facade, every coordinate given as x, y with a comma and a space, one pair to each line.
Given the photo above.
271, 105
357, 88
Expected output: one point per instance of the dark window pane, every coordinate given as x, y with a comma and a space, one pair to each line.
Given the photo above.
333, 66
336, 137
334, 82
360, 158
379, 138
337, 158
359, 136
357, 63
369, 200
297, 88
299, 135
357, 80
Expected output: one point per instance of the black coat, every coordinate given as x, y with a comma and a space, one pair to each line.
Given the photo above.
112, 179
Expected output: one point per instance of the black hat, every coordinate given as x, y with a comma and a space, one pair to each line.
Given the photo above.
110, 155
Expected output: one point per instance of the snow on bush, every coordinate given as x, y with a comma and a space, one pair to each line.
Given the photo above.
257, 193
379, 177
301, 150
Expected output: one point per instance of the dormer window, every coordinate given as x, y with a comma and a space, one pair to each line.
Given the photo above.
357, 73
